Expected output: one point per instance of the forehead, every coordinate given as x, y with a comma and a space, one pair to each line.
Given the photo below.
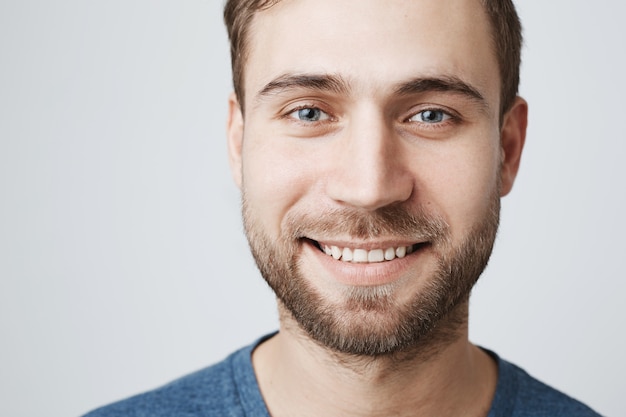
373, 43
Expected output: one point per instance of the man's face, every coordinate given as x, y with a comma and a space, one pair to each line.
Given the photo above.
370, 163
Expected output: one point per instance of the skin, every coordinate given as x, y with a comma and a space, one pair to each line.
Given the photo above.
372, 147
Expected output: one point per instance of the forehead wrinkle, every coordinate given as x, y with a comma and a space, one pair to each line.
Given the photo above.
330, 83
445, 84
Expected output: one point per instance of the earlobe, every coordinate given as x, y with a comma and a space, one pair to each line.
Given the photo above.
234, 133
512, 138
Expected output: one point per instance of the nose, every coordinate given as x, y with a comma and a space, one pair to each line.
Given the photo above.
369, 165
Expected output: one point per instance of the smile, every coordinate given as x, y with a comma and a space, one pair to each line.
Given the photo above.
358, 255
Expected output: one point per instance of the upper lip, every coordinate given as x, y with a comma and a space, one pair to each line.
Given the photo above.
369, 245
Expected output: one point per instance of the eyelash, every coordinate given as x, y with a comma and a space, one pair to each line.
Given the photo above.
451, 118
288, 114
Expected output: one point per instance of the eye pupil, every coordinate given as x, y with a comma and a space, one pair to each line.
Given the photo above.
432, 116
309, 114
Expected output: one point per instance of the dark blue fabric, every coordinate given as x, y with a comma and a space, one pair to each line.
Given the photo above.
226, 389
520, 395
230, 389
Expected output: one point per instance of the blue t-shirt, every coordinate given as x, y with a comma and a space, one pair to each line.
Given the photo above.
229, 389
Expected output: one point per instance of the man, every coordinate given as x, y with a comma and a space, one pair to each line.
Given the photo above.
372, 141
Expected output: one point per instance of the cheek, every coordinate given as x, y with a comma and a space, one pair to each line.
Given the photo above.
462, 184
275, 177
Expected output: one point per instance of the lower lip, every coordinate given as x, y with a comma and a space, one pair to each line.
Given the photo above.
365, 274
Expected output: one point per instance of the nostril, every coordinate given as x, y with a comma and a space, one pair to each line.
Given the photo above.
371, 187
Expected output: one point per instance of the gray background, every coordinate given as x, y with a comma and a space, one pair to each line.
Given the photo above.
122, 261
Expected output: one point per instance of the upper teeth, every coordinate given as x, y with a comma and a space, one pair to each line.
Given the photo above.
363, 255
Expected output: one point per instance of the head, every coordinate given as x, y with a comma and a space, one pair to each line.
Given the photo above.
378, 139
505, 29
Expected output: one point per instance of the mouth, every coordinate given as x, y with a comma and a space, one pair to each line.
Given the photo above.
362, 255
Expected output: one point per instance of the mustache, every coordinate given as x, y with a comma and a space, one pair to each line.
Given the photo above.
393, 220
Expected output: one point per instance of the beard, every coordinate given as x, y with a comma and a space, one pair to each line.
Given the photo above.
370, 320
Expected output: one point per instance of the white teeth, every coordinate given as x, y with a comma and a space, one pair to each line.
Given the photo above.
376, 255
365, 256
359, 255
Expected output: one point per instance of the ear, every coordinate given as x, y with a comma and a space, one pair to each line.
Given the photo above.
234, 133
512, 138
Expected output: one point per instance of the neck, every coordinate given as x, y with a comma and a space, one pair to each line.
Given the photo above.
299, 377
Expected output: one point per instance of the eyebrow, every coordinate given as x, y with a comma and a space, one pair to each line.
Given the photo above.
338, 85
445, 84
315, 82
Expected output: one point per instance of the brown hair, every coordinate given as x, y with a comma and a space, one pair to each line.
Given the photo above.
506, 31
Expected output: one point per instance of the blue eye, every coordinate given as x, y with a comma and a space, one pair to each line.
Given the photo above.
309, 114
430, 116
